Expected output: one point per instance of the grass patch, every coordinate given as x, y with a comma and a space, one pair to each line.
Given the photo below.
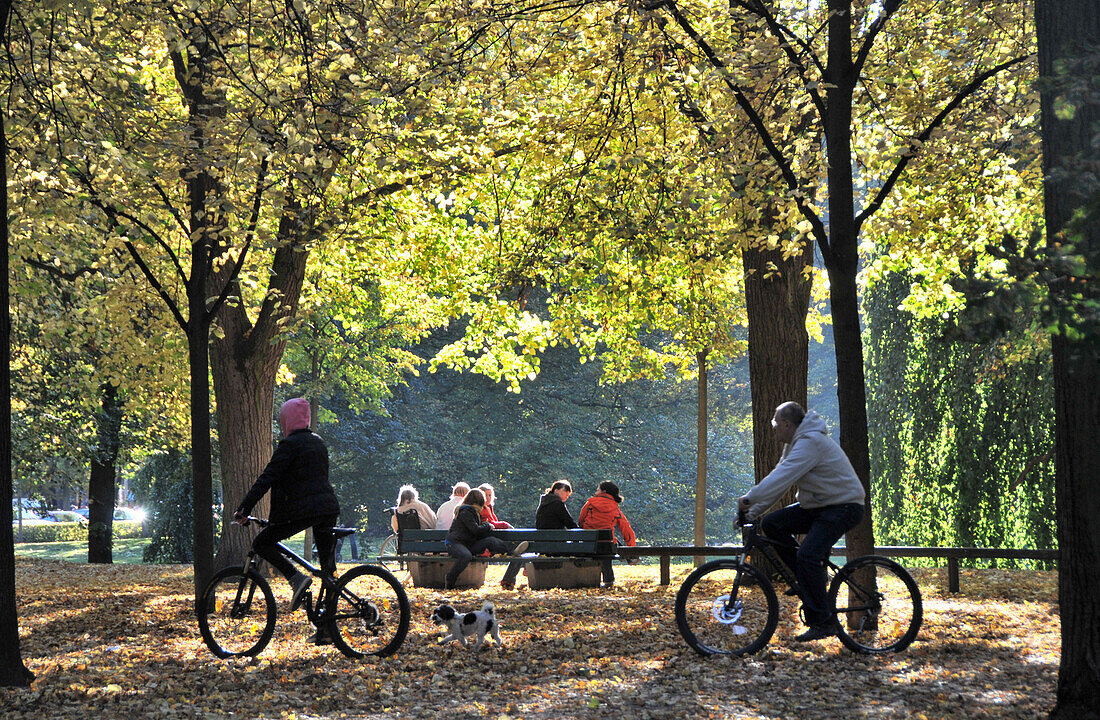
124, 550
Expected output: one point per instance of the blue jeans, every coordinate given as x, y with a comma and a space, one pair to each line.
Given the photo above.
464, 553
822, 528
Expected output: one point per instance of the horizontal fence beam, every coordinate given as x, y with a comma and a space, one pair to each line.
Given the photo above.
952, 554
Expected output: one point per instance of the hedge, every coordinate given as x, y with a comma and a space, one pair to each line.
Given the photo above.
71, 531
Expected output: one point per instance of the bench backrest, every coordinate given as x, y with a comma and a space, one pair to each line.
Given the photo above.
557, 542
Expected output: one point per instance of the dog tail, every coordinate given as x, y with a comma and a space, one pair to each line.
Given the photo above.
489, 608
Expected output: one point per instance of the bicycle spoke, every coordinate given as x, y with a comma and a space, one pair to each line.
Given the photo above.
237, 613
727, 609
370, 614
878, 605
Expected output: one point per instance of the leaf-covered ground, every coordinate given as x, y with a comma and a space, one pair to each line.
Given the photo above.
122, 640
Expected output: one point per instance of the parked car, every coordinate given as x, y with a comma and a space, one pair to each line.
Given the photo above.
132, 514
66, 516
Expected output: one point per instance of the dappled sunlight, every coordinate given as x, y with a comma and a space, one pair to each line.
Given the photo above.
126, 639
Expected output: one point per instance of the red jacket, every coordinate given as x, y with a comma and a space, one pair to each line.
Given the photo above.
489, 515
601, 512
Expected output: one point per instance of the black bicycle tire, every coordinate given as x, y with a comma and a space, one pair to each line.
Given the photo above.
760, 579
915, 621
334, 610
207, 601
393, 551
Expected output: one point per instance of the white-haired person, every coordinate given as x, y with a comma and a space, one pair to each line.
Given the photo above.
445, 515
408, 498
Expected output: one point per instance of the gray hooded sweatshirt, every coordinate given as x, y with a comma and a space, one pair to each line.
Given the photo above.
816, 465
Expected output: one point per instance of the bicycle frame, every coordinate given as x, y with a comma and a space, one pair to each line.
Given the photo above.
314, 611
755, 541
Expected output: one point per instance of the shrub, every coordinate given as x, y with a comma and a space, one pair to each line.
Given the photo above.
72, 532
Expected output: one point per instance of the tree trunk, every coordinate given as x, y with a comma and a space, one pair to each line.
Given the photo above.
246, 362
777, 298
841, 254
12, 670
101, 483
1069, 29
701, 458
245, 389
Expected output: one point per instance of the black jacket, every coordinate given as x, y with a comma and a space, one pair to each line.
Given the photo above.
552, 514
297, 476
467, 527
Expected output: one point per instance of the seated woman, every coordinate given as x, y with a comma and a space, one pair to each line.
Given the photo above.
488, 513
409, 499
552, 513
601, 512
470, 536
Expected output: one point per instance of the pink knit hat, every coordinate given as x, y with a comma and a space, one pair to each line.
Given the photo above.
294, 415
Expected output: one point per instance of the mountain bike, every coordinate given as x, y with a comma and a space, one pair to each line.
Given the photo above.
729, 606
365, 611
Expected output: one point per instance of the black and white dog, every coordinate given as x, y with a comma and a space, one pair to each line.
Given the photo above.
463, 626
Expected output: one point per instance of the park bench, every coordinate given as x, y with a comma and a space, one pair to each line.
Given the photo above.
556, 558
665, 553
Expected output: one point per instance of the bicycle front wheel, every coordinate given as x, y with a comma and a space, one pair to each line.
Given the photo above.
369, 613
726, 608
878, 605
389, 549
237, 613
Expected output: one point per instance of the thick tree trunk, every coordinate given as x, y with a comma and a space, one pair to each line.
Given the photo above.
245, 389
101, 483
246, 362
1069, 29
777, 298
12, 670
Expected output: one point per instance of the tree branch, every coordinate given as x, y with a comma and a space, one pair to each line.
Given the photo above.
916, 143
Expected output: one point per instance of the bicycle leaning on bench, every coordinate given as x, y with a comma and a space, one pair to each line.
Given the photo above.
729, 607
365, 611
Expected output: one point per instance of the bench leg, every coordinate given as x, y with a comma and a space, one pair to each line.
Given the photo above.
666, 569
953, 575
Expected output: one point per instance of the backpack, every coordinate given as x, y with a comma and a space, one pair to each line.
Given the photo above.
408, 520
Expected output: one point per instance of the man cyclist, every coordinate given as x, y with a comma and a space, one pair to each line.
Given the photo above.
301, 496
830, 503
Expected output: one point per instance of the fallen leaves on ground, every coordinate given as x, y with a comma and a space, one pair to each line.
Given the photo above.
123, 639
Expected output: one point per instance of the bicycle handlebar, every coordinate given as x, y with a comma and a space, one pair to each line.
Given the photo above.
262, 522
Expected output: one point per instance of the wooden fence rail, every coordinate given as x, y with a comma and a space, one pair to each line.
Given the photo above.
952, 554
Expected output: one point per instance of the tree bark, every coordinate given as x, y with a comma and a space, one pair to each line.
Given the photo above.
777, 298
246, 362
13, 673
841, 254
101, 483
1068, 30
701, 457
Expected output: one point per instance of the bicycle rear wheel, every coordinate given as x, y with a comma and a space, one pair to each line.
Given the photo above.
878, 605
369, 612
237, 613
726, 608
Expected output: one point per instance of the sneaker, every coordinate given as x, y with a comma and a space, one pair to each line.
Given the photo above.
507, 585
818, 632
319, 637
520, 548
300, 583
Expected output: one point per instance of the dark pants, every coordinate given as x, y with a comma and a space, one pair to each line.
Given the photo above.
822, 528
607, 571
265, 540
464, 553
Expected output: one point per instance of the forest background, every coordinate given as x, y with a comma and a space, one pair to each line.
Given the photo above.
492, 252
